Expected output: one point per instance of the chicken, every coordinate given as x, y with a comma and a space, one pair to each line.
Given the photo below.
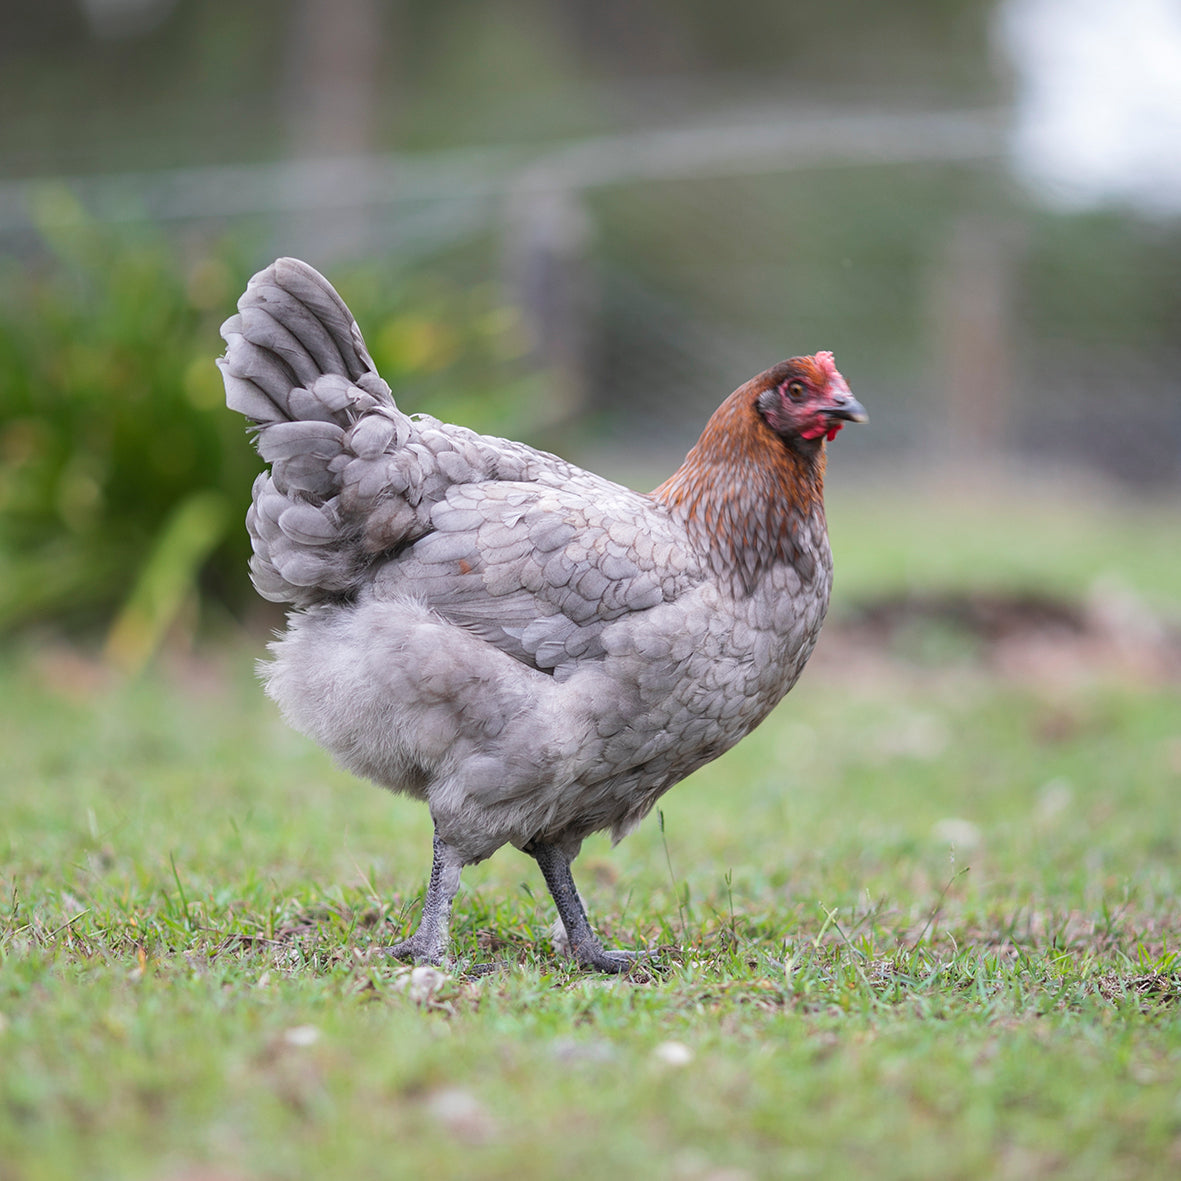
535, 651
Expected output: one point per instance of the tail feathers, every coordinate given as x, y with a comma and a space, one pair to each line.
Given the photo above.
344, 484
297, 547
351, 477
294, 348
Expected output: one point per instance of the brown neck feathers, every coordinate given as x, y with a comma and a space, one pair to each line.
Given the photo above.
744, 492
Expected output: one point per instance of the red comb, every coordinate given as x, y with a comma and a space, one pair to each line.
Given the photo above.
827, 364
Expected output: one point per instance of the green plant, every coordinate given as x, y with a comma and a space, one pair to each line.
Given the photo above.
123, 480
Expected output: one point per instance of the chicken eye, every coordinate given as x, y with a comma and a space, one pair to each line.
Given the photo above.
796, 391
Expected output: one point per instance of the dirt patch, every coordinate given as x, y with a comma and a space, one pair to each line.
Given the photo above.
1028, 636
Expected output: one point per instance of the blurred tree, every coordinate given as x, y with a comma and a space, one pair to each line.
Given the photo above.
337, 50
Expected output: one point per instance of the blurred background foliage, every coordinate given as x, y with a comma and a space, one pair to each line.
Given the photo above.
107, 424
577, 223
123, 476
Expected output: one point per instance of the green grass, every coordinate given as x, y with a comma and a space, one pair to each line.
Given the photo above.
996, 531
923, 924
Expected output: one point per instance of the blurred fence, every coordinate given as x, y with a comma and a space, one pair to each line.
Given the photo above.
469, 178
657, 270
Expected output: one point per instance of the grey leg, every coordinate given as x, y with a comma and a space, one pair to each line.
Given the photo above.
431, 942
584, 943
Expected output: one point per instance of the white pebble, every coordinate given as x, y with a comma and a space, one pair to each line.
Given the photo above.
301, 1035
673, 1054
421, 982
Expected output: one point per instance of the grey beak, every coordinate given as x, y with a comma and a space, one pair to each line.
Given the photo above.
846, 407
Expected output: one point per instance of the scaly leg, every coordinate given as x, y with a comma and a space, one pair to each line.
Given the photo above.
584, 943
431, 942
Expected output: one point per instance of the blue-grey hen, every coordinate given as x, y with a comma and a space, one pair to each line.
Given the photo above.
535, 651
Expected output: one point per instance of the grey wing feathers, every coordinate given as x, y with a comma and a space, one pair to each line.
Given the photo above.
540, 570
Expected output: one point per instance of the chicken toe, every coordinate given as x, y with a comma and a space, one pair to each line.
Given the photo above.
583, 943
431, 942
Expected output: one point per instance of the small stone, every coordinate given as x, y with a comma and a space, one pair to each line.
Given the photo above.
301, 1035
673, 1054
421, 983
462, 1114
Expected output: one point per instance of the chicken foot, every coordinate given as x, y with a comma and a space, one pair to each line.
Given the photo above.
584, 943
430, 942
